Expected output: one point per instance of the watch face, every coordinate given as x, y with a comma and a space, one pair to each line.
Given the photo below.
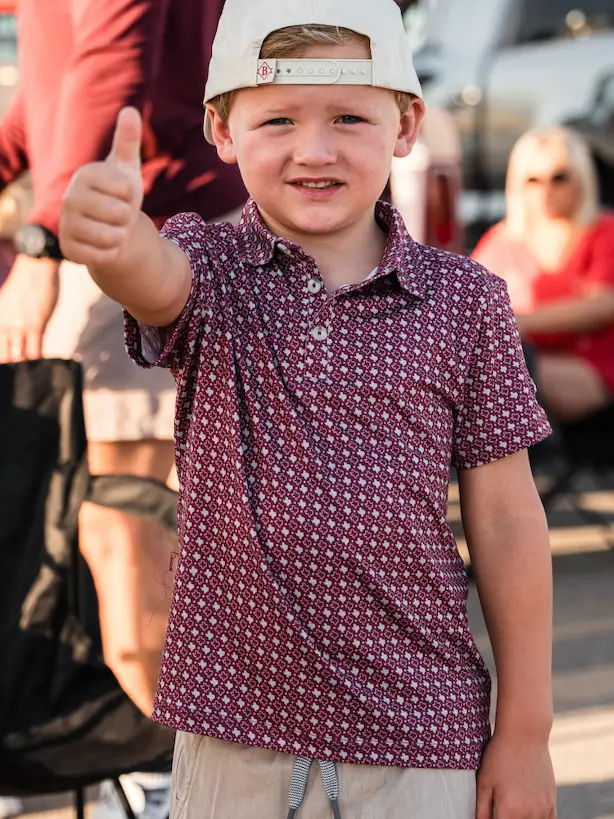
32, 240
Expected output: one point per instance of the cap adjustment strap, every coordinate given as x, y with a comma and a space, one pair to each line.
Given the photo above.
315, 72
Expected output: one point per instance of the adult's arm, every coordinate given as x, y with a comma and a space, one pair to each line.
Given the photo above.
114, 63
585, 314
590, 311
13, 153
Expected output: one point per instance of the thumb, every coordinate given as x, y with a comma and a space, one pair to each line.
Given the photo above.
126, 148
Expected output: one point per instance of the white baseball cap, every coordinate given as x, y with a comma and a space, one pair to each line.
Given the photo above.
245, 25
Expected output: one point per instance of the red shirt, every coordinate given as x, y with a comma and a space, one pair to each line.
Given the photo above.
319, 605
81, 61
589, 266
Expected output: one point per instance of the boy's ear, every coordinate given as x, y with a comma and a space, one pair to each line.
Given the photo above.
223, 139
409, 128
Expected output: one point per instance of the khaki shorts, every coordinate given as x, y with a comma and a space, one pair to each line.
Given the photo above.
213, 779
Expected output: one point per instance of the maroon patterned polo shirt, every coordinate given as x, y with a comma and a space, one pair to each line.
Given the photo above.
320, 601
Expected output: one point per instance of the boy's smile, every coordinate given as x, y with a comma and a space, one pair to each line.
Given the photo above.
317, 157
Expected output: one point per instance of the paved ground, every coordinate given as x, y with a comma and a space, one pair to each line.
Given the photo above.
583, 736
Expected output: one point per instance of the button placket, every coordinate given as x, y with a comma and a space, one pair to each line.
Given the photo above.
319, 329
321, 326
317, 324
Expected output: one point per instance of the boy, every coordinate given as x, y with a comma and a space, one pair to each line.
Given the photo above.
329, 371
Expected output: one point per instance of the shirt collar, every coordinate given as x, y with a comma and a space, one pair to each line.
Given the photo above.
401, 256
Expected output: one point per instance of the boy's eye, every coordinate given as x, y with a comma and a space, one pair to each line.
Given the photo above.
350, 119
345, 119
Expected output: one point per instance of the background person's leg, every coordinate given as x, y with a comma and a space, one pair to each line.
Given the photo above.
129, 422
129, 559
569, 387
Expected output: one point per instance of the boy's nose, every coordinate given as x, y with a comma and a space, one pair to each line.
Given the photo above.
315, 147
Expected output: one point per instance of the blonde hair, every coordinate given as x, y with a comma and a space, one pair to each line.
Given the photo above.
293, 42
580, 163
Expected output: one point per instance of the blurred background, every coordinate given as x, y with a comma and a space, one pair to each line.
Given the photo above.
491, 70
502, 67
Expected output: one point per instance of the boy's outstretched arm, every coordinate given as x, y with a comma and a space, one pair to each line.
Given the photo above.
102, 226
507, 536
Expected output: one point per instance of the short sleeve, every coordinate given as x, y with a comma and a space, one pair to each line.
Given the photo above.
169, 347
498, 414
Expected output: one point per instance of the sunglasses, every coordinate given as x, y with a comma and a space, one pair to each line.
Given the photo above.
557, 179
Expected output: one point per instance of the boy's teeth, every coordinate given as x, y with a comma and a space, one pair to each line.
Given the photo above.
317, 184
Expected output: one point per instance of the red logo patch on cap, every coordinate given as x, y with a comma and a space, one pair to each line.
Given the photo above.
265, 71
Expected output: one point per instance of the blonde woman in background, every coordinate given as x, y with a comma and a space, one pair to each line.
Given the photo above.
556, 253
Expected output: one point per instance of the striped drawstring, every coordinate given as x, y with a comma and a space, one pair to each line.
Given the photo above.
300, 777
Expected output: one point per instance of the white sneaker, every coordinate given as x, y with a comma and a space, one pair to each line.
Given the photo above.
149, 796
10, 806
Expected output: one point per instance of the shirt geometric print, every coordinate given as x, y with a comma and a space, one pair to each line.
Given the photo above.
319, 606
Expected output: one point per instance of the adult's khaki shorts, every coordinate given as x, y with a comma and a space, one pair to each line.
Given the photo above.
121, 401
213, 779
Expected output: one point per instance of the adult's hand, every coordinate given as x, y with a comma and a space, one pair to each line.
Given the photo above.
27, 300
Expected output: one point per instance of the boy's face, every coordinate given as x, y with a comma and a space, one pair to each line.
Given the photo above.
289, 138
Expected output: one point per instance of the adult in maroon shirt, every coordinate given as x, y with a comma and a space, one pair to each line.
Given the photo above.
81, 62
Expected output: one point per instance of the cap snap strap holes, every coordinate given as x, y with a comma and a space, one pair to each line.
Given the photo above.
306, 71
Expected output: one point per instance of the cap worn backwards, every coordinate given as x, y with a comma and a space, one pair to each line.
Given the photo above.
245, 25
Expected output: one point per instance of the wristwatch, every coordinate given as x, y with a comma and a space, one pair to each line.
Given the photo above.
37, 242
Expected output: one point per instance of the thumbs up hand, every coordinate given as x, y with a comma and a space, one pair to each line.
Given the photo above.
126, 151
101, 206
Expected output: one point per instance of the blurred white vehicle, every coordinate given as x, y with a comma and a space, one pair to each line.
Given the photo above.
502, 67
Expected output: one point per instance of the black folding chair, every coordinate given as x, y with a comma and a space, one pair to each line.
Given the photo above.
583, 448
65, 722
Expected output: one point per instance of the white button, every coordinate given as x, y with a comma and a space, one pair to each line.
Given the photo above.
284, 249
320, 333
314, 286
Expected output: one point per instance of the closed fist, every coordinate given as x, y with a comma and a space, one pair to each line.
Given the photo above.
102, 203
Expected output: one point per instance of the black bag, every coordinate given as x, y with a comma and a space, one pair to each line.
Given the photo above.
64, 720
